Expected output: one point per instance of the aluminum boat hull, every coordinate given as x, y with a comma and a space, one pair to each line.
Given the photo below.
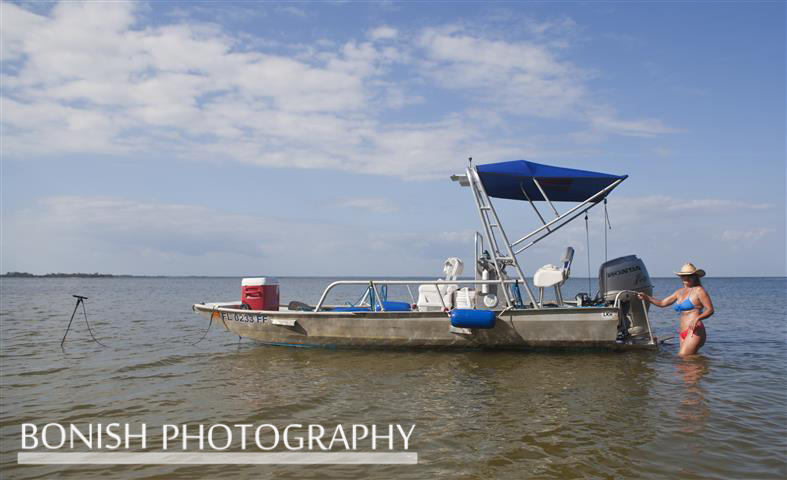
559, 327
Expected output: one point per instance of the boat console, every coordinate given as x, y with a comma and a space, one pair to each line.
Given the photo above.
438, 297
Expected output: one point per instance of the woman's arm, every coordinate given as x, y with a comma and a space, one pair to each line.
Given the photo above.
666, 302
707, 304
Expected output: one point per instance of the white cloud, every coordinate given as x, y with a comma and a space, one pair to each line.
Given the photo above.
373, 204
560, 26
522, 77
714, 232
383, 33
646, 127
751, 235
298, 12
148, 226
120, 235
93, 77
663, 151
17, 22
658, 204
525, 77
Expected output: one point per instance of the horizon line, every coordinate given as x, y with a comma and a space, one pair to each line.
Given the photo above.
363, 276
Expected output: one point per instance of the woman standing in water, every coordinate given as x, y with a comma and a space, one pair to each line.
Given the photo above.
693, 305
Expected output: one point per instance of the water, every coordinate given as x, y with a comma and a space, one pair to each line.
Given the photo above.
722, 414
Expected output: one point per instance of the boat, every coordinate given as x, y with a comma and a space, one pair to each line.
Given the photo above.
495, 309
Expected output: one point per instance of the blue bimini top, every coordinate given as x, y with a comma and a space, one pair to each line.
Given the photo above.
514, 180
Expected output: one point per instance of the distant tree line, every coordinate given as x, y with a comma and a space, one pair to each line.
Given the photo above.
62, 275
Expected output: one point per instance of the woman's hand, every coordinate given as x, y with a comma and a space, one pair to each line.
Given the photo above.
642, 296
693, 325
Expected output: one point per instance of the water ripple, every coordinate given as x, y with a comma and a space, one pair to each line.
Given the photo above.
478, 415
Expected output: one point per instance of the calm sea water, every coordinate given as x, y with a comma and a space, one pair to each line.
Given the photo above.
722, 414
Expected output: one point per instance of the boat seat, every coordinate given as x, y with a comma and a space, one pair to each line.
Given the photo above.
554, 276
429, 295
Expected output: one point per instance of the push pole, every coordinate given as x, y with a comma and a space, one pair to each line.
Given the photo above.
80, 299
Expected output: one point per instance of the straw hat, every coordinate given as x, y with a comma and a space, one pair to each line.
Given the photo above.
688, 268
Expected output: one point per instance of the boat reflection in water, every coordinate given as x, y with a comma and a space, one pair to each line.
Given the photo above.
504, 413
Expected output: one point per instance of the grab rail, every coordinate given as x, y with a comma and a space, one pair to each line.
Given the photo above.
373, 283
644, 309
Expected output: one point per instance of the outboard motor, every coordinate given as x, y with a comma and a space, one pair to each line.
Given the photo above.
621, 275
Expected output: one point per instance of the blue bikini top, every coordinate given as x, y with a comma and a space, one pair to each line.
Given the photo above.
686, 305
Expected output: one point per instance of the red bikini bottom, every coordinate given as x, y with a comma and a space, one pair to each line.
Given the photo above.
699, 328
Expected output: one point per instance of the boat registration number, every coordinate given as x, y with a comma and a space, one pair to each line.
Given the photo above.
244, 317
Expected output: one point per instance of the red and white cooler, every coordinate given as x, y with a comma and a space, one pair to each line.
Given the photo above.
260, 293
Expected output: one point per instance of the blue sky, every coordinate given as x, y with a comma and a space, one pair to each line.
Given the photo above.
202, 138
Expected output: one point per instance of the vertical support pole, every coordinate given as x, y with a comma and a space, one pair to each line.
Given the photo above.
647, 320
587, 239
376, 294
440, 295
79, 300
478, 240
475, 257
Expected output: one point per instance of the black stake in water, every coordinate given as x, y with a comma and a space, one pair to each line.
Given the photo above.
80, 300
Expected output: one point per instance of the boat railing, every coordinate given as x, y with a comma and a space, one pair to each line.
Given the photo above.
478, 246
616, 304
365, 297
373, 284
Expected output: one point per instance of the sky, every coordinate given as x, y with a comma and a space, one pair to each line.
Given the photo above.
250, 138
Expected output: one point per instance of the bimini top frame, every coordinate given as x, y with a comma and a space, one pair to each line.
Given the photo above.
533, 182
